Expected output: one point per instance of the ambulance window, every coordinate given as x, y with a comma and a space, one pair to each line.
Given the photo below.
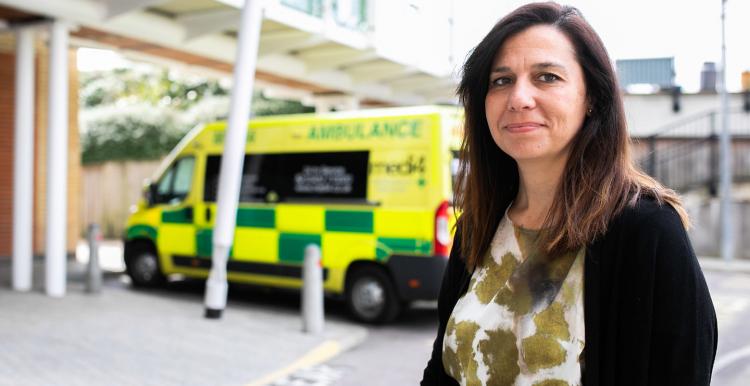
165, 184
211, 182
183, 177
324, 176
296, 176
175, 183
258, 174
250, 190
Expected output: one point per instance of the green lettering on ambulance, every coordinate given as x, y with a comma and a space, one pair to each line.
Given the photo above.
375, 130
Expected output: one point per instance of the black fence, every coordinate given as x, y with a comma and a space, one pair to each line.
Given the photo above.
686, 155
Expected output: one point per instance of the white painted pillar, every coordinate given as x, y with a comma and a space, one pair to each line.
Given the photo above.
57, 161
230, 174
23, 161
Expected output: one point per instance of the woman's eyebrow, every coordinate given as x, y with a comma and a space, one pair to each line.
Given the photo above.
500, 69
536, 66
548, 65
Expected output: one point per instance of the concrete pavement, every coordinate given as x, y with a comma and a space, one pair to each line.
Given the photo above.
124, 336
716, 264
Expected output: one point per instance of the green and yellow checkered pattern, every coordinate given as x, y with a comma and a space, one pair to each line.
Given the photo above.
279, 234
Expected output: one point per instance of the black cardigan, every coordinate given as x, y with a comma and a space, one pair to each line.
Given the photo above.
648, 313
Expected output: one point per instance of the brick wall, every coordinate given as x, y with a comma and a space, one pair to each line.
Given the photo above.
7, 95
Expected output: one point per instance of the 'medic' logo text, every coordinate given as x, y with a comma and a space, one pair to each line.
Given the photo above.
409, 166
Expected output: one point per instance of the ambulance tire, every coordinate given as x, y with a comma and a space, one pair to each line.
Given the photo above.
142, 265
371, 296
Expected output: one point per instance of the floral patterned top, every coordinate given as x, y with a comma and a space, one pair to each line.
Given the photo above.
521, 320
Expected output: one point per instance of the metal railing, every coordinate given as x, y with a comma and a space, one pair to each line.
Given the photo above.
685, 155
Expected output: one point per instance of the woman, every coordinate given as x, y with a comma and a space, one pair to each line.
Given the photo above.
569, 266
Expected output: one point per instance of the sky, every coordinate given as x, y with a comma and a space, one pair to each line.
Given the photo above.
688, 30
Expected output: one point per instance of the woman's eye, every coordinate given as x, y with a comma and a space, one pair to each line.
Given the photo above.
502, 81
549, 78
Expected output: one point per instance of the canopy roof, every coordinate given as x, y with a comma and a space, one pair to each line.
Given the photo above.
304, 48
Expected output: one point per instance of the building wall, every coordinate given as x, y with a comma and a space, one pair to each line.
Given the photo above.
7, 71
648, 113
7, 91
417, 33
705, 233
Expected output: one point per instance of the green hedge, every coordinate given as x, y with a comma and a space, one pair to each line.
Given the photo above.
142, 115
135, 133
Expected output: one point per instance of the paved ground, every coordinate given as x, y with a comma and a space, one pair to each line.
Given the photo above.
730, 291
159, 337
127, 337
411, 337
402, 348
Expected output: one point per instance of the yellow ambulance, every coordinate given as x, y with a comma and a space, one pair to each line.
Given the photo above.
371, 188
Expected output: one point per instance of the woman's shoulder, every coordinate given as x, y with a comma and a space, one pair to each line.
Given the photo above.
648, 235
647, 214
643, 222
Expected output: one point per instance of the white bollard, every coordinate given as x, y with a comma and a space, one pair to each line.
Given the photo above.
312, 291
94, 272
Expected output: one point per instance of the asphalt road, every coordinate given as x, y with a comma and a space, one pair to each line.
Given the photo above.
396, 354
731, 295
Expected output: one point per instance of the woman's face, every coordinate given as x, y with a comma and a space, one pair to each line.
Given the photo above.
536, 101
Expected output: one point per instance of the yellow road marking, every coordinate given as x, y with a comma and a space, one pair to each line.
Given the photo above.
320, 354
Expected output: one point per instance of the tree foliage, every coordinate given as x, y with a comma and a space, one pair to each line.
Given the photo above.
135, 132
129, 114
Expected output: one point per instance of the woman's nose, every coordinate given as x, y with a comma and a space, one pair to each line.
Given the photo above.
521, 97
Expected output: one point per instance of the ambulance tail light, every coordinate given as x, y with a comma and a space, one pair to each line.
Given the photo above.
442, 233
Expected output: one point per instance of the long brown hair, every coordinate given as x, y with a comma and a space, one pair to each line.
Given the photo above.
599, 179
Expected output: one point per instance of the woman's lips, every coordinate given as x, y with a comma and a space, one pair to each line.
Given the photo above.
522, 127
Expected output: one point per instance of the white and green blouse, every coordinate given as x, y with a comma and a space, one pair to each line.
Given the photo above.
521, 320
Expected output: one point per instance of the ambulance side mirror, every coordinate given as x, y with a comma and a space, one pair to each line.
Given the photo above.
151, 194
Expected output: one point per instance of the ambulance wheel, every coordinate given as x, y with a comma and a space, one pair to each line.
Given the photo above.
142, 265
371, 296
